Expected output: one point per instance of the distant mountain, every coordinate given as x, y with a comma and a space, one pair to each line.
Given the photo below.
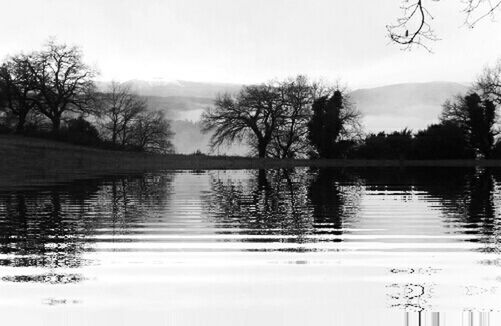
182, 100
412, 105
386, 108
180, 107
178, 88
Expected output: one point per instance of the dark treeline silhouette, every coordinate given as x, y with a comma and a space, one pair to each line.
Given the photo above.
467, 130
51, 93
296, 118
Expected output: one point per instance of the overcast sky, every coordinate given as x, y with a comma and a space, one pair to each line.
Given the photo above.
248, 41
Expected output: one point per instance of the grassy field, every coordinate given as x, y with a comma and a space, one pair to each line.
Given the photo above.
31, 161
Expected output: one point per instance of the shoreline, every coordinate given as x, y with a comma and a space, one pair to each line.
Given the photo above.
34, 161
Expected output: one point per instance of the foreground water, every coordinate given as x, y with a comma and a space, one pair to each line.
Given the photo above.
277, 247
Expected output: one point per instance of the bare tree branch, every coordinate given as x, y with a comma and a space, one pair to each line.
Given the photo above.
413, 27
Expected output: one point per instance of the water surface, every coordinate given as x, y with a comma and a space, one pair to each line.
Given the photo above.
371, 246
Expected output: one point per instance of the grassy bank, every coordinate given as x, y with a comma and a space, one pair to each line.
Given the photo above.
34, 161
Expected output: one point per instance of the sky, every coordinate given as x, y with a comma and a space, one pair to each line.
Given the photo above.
251, 41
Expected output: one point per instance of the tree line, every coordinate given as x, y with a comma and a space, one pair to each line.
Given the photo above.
52, 93
297, 118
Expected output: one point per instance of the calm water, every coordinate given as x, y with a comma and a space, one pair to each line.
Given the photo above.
275, 247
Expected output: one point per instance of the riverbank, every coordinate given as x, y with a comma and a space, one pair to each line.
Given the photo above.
33, 161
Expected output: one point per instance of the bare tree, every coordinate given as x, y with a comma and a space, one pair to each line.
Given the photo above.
414, 28
17, 87
489, 83
152, 132
297, 96
454, 111
118, 106
62, 81
128, 115
252, 116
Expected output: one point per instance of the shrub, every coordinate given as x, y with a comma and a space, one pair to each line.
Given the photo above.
80, 131
442, 141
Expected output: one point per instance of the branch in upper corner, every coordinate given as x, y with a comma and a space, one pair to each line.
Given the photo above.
476, 10
414, 28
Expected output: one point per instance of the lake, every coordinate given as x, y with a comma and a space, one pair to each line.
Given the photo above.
373, 246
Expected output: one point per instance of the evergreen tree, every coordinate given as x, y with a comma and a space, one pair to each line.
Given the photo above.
326, 125
477, 117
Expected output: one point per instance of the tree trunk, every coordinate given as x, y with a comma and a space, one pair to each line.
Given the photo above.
56, 124
262, 180
114, 133
261, 148
20, 123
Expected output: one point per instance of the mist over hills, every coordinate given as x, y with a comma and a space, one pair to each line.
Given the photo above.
411, 105
177, 88
385, 108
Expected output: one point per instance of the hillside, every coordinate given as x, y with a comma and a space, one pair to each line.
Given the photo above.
412, 105
32, 162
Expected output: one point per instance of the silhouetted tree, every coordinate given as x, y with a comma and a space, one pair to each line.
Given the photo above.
129, 115
489, 83
291, 138
333, 120
151, 132
118, 108
252, 116
126, 119
477, 117
61, 80
17, 89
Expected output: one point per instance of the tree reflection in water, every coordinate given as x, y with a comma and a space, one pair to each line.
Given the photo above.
469, 200
296, 202
52, 227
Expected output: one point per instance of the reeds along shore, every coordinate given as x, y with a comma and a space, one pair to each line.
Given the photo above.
30, 161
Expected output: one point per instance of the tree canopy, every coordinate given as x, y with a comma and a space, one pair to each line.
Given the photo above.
334, 120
